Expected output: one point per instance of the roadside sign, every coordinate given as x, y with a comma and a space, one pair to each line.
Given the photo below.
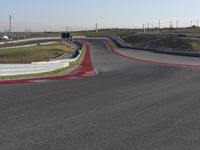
66, 35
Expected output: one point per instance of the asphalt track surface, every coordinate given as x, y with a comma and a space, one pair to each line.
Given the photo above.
129, 105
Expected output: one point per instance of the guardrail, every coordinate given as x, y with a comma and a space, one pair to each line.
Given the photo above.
122, 44
36, 67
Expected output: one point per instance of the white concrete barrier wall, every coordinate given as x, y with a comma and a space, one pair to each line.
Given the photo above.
34, 67
32, 39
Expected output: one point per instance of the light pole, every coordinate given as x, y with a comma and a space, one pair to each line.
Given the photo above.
96, 27
10, 23
159, 25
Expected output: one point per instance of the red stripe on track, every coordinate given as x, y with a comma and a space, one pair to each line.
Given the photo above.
149, 62
85, 69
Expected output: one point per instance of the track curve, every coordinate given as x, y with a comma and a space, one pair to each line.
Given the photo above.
127, 106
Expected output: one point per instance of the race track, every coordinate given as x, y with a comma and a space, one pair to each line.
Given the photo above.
129, 105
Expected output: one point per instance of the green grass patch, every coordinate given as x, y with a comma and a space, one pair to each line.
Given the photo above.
34, 53
59, 72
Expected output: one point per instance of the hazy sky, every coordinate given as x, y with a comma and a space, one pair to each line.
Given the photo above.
81, 14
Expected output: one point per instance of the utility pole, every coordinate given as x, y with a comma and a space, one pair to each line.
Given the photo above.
197, 22
67, 29
96, 27
148, 26
177, 23
191, 23
171, 26
10, 23
136, 28
144, 28
159, 25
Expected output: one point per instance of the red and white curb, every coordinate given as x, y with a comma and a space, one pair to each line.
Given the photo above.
85, 69
147, 61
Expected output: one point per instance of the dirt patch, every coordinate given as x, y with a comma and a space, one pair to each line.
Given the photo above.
62, 46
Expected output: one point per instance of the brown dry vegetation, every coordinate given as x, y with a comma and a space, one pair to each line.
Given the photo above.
164, 41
